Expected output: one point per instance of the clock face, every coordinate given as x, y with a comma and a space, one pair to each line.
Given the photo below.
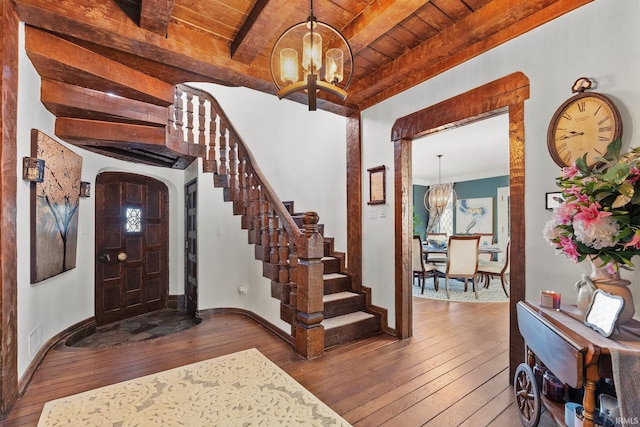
585, 123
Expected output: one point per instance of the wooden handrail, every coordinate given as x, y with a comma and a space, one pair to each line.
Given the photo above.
292, 256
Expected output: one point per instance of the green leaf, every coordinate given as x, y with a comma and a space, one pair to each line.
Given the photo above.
618, 173
581, 164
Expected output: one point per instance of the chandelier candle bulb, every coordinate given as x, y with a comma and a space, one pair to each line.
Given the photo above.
289, 66
312, 52
334, 65
550, 299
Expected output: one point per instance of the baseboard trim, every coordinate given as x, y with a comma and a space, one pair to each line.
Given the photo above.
82, 327
380, 311
259, 319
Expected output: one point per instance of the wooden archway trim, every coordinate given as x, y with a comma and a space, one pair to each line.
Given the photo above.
503, 95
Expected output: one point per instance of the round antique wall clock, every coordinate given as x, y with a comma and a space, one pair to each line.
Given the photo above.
584, 124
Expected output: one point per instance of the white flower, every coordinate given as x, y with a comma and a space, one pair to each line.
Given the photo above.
551, 231
597, 235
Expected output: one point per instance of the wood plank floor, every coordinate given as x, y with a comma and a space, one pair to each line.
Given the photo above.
453, 371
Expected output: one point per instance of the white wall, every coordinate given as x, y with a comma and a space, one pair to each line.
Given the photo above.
600, 40
48, 307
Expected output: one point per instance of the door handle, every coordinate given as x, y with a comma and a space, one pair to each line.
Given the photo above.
122, 257
105, 258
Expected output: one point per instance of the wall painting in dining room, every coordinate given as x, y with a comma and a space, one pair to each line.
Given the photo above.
474, 215
54, 208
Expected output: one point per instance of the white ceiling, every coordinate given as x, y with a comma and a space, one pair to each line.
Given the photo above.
474, 151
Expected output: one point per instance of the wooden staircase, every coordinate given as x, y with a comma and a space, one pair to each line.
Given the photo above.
152, 122
345, 312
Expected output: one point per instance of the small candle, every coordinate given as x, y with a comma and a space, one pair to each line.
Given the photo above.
550, 299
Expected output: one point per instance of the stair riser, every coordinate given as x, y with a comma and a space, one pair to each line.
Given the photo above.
344, 306
332, 286
331, 265
351, 332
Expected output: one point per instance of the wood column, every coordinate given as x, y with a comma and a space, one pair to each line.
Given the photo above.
403, 212
310, 289
354, 201
8, 166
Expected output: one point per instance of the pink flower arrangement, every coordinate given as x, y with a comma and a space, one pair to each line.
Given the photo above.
599, 212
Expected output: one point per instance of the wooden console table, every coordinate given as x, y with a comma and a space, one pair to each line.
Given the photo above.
575, 353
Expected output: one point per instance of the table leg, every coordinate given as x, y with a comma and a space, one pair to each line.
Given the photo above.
589, 400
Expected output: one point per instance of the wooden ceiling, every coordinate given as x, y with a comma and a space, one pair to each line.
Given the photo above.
396, 43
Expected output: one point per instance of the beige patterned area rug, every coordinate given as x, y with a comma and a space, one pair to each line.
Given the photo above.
239, 389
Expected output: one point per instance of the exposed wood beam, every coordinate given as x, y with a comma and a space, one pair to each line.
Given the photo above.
65, 100
90, 132
498, 22
58, 59
378, 18
258, 29
155, 15
106, 25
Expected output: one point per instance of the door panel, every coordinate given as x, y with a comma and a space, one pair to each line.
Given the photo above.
191, 261
132, 237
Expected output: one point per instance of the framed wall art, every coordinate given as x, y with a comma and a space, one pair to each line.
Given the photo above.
54, 208
552, 200
377, 184
474, 215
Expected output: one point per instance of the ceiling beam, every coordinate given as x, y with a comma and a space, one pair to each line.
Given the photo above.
57, 59
376, 20
66, 100
259, 29
104, 24
491, 26
155, 15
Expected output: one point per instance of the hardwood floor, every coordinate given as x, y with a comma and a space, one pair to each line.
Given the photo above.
453, 371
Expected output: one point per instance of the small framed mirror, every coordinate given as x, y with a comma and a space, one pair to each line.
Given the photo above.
603, 312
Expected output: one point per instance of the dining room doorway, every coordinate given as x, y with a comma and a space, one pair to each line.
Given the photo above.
474, 160
506, 94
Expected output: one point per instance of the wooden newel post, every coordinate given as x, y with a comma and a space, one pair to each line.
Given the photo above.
309, 305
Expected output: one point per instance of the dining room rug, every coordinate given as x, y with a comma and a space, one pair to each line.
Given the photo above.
493, 293
238, 389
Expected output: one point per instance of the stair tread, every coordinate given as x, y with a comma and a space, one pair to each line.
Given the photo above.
345, 319
338, 296
329, 276
326, 258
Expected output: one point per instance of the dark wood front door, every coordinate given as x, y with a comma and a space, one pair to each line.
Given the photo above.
132, 234
191, 247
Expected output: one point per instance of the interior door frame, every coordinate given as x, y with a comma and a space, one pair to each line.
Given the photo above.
506, 94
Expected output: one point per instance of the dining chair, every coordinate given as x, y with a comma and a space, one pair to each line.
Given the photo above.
486, 239
497, 269
421, 269
462, 261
